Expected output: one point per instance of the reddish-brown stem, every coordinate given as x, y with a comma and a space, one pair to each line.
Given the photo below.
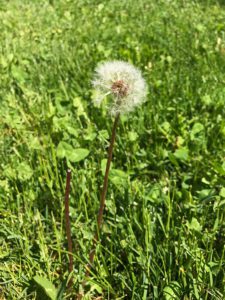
103, 195
67, 219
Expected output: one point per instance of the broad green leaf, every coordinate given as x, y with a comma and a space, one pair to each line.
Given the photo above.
222, 192
64, 124
132, 135
89, 134
206, 99
103, 134
63, 149
77, 154
72, 154
194, 225
197, 129
10, 172
165, 126
4, 184
47, 286
182, 154
172, 291
18, 73
24, 171
223, 165
34, 142
77, 102
205, 194
117, 177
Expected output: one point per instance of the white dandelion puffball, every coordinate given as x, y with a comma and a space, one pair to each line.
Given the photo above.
123, 82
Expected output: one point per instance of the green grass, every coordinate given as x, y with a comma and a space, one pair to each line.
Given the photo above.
164, 228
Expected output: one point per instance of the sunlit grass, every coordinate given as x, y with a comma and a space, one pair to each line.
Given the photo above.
163, 234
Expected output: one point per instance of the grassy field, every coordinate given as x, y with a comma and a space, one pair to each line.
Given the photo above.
164, 225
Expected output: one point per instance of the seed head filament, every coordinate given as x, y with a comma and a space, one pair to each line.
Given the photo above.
119, 88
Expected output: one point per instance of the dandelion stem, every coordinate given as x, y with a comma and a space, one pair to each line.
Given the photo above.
103, 196
68, 228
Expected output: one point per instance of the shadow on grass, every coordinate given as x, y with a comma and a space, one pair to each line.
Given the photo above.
211, 2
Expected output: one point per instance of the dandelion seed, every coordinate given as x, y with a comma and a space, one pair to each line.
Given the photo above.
123, 82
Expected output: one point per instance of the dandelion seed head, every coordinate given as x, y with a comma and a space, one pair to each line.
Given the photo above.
123, 82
